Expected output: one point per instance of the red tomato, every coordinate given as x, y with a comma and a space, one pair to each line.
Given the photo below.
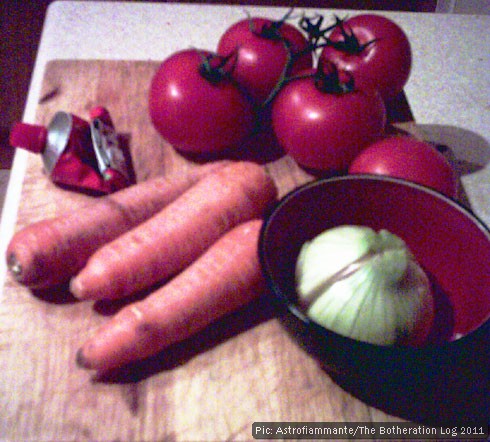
375, 50
196, 112
261, 53
322, 130
410, 159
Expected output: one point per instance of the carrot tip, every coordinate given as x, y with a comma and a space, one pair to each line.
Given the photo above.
76, 288
14, 265
81, 360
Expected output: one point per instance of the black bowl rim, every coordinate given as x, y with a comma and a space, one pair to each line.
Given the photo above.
293, 308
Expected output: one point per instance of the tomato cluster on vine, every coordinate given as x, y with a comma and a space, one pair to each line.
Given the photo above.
321, 88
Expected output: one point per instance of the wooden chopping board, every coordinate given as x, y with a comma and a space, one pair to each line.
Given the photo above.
243, 369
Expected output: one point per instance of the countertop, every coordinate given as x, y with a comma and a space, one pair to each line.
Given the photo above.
447, 90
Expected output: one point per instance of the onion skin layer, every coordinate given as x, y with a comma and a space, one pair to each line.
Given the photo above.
365, 285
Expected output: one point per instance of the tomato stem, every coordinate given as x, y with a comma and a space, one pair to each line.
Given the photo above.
350, 43
329, 81
270, 31
314, 30
284, 74
213, 66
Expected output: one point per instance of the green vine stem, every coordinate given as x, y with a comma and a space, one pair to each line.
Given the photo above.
317, 36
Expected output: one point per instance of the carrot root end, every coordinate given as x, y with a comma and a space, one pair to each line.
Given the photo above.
81, 360
76, 288
14, 266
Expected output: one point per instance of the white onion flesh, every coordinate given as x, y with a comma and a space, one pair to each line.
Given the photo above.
365, 285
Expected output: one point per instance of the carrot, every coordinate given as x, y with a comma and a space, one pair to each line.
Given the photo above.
51, 251
223, 279
169, 241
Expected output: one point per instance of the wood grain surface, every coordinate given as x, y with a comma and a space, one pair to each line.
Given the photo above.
244, 368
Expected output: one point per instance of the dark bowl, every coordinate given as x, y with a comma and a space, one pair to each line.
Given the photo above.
448, 241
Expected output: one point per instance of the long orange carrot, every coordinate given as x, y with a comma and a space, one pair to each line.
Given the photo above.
51, 251
170, 240
223, 279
